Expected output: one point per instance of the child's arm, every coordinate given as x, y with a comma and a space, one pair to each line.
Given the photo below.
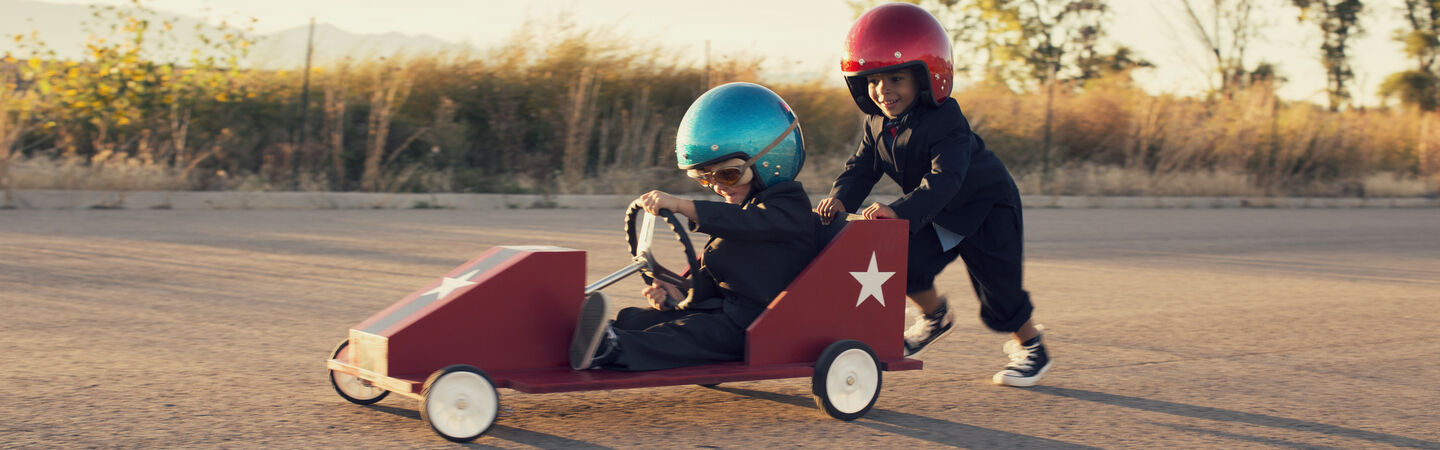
654, 201
782, 212
859, 176
949, 162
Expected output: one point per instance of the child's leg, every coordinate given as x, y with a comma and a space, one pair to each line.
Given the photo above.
690, 339
641, 318
993, 257
927, 300
1026, 332
926, 259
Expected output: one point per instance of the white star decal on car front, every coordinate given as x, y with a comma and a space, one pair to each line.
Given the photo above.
871, 281
448, 285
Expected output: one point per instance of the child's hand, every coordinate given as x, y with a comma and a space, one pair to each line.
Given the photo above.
660, 291
827, 209
654, 201
879, 211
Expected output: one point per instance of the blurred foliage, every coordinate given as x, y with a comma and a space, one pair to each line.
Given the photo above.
1415, 88
1339, 21
1020, 43
121, 100
1420, 86
559, 108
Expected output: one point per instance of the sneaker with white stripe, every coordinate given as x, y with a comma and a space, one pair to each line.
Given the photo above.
1028, 363
928, 328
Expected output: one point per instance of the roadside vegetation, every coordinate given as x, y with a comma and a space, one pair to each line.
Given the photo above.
561, 109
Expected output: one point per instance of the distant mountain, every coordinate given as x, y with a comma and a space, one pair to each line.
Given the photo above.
286, 48
61, 27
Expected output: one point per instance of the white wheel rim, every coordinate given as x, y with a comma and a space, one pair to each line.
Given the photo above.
851, 381
461, 404
355, 387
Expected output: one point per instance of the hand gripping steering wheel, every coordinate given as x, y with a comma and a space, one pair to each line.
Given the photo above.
650, 269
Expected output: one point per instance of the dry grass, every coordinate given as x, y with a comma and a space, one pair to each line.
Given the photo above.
1097, 180
1113, 139
560, 109
1393, 185
102, 172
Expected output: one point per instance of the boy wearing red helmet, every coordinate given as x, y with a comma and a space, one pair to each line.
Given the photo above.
959, 198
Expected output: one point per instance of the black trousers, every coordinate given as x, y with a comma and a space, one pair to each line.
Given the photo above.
993, 257
652, 339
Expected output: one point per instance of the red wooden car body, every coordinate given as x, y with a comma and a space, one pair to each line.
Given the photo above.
511, 313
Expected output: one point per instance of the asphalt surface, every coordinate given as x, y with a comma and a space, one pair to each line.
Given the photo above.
1169, 328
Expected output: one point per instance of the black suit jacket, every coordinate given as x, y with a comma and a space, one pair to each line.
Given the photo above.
944, 169
755, 250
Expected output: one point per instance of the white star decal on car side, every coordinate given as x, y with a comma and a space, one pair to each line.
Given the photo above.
448, 285
870, 283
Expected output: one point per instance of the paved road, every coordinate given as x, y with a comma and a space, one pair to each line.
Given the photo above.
1188, 328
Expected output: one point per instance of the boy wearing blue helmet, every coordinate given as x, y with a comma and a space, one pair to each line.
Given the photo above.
743, 142
959, 198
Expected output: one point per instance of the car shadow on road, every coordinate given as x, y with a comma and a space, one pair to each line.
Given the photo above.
512, 434
402, 412
538, 440
1226, 415
942, 432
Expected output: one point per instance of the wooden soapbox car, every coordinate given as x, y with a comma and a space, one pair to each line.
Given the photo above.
505, 320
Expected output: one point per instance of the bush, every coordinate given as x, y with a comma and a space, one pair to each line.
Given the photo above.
563, 109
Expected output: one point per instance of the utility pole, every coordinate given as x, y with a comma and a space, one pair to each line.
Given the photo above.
707, 66
1422, 150
304, 109
1049, 118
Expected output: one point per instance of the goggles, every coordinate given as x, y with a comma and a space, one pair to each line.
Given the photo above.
729, 176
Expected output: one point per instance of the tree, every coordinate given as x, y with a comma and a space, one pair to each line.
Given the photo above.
1018, 41
1423, 40
1226, 34
1030, 44
1419, 87
1339, 20
1039, 41
119, 98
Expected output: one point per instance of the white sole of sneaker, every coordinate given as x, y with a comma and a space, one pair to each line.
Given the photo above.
1006, 380
588, 331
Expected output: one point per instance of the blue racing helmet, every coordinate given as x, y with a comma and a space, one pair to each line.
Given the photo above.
746, 121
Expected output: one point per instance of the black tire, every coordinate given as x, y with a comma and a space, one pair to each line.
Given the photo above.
357, 395
847, 376
708, 385
459, 403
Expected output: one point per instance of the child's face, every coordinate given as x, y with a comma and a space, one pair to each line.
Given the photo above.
892, 91
733, 194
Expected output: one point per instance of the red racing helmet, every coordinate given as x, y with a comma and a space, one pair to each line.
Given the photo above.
894, 36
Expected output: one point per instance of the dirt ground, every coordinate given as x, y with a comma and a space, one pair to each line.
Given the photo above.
1169, 328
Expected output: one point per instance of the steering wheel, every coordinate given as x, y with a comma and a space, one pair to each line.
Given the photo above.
650, 269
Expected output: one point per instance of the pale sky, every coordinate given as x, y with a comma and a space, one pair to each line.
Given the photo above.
802, 37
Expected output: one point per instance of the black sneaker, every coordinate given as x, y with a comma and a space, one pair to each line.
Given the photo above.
929, 328
1028, 363
590, 332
